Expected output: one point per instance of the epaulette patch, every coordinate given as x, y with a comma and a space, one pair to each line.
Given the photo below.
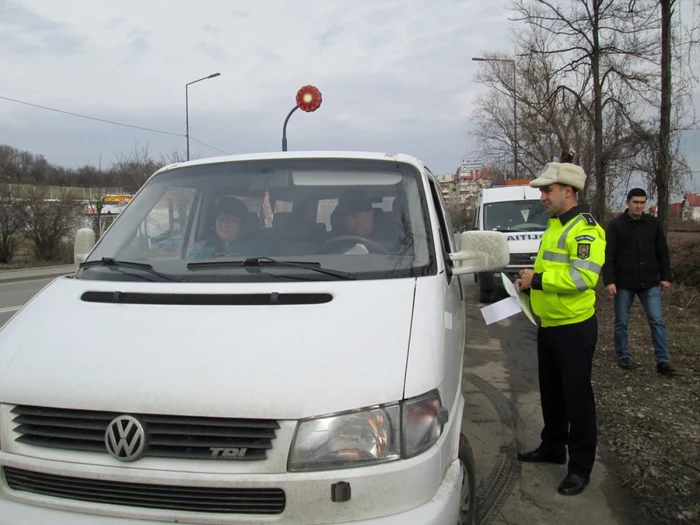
589, 219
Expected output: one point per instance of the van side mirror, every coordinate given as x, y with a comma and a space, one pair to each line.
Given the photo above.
481, 251
84, 242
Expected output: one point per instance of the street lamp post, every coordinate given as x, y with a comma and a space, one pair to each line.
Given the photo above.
187, 108
515, 108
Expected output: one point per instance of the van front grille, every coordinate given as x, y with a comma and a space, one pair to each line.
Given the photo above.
522, 259
165, 436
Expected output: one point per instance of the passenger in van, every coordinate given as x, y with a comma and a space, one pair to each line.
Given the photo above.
229, 222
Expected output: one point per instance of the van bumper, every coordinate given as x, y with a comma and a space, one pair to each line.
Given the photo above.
441, 509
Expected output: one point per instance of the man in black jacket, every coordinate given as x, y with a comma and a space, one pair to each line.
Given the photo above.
637, 263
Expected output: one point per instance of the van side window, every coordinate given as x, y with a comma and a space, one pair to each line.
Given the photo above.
446, 235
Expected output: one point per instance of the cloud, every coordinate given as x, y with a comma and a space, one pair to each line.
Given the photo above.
211, 29
267, 55
212, 51
114, 23
25, 31
139, 41
326, 37
240, 13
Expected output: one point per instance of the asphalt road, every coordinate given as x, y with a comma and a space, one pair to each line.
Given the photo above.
14, 295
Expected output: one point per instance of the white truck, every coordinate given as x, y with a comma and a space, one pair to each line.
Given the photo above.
517, 212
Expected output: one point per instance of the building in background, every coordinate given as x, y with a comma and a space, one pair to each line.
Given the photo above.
691, 207
675, 210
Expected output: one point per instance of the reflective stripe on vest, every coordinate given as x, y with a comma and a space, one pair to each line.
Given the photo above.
562, 240
576, 276
556, 257
587, 265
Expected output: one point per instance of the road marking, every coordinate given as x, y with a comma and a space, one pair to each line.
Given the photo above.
10, 309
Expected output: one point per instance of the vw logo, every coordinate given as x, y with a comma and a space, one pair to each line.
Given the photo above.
125, 438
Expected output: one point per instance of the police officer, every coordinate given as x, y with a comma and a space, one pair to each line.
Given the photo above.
562, 294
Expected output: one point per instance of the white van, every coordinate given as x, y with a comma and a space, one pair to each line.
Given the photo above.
519, 214
310, 374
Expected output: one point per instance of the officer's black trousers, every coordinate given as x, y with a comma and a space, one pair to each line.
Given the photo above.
565, 358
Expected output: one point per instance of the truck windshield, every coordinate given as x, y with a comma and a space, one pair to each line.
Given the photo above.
524, 215
365, 218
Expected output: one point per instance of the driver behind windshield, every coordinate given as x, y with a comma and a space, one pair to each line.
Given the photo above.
230, 217
357, 214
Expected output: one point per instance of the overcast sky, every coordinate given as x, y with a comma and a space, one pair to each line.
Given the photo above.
396, 75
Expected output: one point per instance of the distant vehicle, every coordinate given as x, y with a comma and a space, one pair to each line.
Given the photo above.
111, 205
517, 212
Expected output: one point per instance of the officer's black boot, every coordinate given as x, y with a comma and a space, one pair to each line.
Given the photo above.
541, 455
573, 484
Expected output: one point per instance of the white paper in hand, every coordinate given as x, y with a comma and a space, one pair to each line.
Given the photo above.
523, 299
501, 310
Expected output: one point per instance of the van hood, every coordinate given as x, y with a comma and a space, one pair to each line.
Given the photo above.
249, 361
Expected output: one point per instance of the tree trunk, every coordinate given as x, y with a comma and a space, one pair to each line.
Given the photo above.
664, 167
599, 201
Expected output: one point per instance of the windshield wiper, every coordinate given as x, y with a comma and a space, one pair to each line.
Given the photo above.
113, 263
259, 262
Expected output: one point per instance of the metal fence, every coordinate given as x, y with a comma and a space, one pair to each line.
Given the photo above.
58, 191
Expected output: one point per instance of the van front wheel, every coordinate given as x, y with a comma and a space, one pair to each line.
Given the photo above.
467, 502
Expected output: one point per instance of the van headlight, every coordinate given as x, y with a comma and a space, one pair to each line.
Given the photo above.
423, 419
369, 436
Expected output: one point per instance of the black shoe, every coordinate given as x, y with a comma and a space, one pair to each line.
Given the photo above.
625, 363
542, 456
665, 369
573, 484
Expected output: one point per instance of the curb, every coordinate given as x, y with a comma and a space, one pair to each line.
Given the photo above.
33, 277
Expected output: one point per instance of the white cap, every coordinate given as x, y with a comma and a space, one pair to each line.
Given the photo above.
561, 173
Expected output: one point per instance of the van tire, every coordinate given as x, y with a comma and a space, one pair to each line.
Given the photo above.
467, 501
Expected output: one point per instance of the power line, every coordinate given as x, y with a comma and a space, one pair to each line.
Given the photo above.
110, 122
91, 118
209, 146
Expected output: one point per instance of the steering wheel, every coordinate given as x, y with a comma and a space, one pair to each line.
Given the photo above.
341, 240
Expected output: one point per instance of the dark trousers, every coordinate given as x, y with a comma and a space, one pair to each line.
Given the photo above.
565, 359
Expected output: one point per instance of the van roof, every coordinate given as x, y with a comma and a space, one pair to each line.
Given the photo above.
278, 155
509, 193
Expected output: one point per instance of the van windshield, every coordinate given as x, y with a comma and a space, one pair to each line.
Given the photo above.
211, 222
522, 215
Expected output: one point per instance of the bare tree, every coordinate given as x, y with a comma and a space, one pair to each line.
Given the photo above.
12, 224
133, 168
50, 221
607, 42
671, 169
173, 156
547, 124
460, 216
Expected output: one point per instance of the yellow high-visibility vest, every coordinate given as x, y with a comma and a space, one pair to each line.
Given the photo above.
570, 260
